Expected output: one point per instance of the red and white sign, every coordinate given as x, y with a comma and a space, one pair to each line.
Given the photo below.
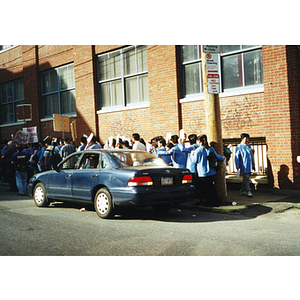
32, 134
213, 75
20, 137
213, 83
212, 63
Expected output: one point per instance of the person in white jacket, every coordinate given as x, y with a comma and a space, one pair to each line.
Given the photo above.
137, 145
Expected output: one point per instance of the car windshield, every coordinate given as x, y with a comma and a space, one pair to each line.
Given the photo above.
136, 159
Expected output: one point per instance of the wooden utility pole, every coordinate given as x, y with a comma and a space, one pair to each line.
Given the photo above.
213, 116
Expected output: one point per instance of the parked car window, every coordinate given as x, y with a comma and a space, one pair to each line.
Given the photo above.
135, 159
103, 162
89, 161
70, 163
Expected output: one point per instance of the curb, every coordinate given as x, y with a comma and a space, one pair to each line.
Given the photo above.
219, 209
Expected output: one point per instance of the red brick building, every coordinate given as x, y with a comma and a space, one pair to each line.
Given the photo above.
153, 90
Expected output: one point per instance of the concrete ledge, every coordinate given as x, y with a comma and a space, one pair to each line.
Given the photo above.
255, 179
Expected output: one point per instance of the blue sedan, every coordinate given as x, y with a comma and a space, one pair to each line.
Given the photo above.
111, 179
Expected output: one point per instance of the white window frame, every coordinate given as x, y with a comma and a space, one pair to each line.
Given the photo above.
124, 103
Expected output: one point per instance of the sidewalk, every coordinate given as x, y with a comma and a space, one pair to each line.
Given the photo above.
238, 203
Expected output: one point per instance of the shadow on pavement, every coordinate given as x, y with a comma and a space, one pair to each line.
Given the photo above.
181, 213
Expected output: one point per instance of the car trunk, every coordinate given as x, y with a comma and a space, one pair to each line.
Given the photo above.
162, 176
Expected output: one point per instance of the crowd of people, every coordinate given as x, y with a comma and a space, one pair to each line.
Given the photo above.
20, 162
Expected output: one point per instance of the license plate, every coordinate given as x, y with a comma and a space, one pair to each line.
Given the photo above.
166, 180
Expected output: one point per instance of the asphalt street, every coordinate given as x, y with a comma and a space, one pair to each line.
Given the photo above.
66, 230
66, 252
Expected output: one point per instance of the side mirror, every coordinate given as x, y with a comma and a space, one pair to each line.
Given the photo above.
56, 168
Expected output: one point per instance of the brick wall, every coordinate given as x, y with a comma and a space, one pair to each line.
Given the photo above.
273, 114
163, 90
52, 56
278, 109
293, 62
11, 64
84, 68
163, 113
125, 123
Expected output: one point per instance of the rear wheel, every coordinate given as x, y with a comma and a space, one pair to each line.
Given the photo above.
39, 196
103, 204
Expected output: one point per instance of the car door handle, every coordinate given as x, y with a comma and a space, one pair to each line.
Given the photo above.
95, 175
68, 175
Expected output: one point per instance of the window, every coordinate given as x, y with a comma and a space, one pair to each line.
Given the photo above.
241, 66
191, 70
11, 95
4, 47
89, 161
123, 77
58, 91
70, 163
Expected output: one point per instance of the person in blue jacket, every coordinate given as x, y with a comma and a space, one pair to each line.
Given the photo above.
192, 166
161, 146
206, 174
178, 158
244, 161
41, 161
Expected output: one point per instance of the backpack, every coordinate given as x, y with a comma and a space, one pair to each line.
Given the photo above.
55, 158
226, 152
213, 160
21, 164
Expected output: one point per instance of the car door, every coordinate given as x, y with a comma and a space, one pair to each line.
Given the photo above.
60, 182
86, 177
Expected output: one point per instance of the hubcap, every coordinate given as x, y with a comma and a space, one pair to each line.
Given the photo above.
102, 203
39, 195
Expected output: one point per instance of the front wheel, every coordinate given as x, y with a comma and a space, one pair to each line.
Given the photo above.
103, 204
39, 196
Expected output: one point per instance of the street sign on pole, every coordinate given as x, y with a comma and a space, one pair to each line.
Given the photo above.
211, 87
213, 75
213, 83
211, 48
61, 123
73, 130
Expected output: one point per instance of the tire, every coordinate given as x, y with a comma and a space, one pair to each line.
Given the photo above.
39, 196
162, 208
103, 204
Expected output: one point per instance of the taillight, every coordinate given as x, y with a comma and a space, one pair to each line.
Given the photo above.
187, 179
140, 181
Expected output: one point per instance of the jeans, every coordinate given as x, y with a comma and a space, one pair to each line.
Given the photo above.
21, 181
246, 182
208, 190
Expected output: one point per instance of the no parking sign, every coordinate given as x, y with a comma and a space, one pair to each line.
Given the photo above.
212, 68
